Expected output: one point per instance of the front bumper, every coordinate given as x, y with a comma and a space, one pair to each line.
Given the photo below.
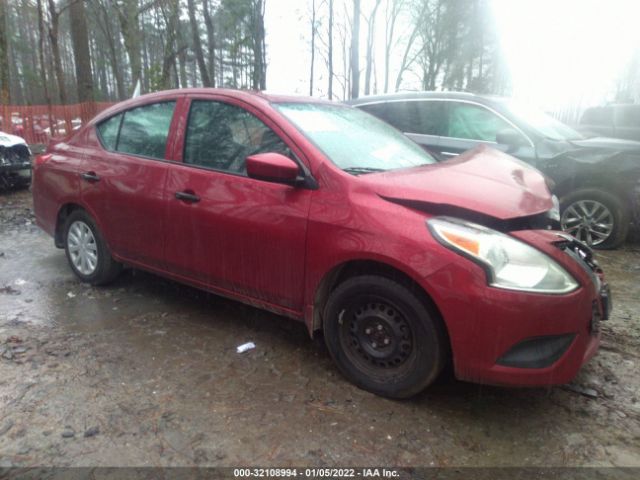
15, 174
635, 205
513, 338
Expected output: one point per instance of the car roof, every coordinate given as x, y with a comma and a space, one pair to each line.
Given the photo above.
249, 96
426, 95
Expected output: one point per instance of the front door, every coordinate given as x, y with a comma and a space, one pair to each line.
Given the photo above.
469, 125
224, 229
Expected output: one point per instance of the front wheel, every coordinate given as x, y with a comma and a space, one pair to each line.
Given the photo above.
383, 337
86, 250
595, 217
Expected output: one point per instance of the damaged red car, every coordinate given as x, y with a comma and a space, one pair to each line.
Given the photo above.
325, 214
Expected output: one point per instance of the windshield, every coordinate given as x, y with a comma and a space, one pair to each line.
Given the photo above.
544, 124
353, 140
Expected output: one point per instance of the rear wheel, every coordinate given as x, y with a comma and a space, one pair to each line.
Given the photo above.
595, 217
383, 337
86, 250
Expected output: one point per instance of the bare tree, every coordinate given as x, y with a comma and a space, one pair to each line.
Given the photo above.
371, 28
197, 45
313, 44
330, 51
211, 43
5, 92
259, 68
355, 50
392, 12
82, 58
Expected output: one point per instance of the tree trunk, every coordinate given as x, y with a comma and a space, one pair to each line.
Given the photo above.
54, 17
197, 44
355, 51
370, 34
330, 53
5, 78
313, 44
43, 68
211, 43
389, 37
129, 24
80, 40
259, 81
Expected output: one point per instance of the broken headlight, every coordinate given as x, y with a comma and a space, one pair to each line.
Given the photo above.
509, 263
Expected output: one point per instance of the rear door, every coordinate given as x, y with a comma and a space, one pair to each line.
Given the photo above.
123, 181
420, 120
228, 231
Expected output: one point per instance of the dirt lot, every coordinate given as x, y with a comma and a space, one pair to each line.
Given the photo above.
145, 372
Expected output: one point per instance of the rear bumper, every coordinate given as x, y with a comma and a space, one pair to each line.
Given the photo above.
512, 338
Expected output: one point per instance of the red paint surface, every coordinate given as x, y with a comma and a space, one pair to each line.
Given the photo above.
273, 245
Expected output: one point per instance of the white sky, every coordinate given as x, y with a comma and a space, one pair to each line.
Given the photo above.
559, 52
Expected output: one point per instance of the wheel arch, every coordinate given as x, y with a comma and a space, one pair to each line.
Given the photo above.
63, 213
356, 267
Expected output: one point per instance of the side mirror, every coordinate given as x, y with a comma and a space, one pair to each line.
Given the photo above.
510, 137
272, 167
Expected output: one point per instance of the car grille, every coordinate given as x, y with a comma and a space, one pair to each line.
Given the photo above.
15, 155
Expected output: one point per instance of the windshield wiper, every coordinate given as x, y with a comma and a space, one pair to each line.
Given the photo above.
361, 170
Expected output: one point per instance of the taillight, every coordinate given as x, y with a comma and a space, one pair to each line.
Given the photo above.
41, 159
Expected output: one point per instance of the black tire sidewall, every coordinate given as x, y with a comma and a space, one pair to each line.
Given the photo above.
621, 215
428, 355
104, 267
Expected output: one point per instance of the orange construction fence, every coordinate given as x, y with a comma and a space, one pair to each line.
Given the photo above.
38, 123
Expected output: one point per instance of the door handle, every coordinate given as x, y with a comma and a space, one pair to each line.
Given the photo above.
90, 177
187, 197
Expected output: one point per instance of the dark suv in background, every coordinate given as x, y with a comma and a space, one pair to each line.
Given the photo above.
619, 121
596, 179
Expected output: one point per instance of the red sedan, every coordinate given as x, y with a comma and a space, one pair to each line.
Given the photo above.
325, 214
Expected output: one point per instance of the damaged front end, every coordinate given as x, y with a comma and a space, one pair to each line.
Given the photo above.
15, 162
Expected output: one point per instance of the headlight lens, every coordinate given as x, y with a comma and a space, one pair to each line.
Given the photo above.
509, 263
554, 213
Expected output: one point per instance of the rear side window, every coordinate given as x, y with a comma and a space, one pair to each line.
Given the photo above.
145, 130
474, 123
108, 132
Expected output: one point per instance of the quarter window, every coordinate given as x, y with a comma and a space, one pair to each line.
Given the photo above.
220, 136
108, 131
474, 123
145, 130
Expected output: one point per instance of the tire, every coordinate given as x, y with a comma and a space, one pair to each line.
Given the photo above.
383, 337
590, 213
82, 239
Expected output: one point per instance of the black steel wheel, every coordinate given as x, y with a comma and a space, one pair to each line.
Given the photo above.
383, 337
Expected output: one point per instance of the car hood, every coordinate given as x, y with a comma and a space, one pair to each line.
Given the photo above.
483, 180
612, 144
7, 140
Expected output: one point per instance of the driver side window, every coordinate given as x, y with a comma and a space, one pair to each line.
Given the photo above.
220, 136
473, 122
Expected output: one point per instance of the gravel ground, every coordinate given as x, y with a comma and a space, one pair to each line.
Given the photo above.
145, 372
